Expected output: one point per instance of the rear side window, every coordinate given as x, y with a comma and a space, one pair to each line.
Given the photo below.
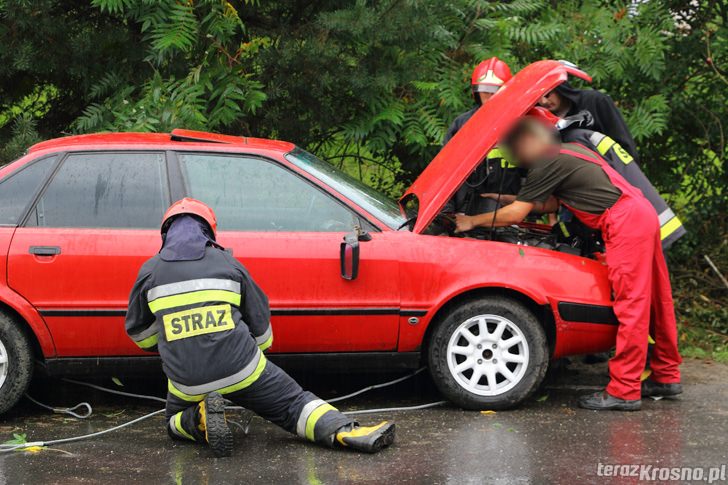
110, 190
17, 190
251, 194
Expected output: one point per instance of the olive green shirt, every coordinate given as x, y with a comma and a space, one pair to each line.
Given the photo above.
577, 183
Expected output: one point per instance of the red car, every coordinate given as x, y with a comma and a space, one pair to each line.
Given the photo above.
353, 279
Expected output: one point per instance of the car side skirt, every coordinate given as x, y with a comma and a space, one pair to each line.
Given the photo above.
322, 363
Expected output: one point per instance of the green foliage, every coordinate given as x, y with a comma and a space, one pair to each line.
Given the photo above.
195, 75
23, 135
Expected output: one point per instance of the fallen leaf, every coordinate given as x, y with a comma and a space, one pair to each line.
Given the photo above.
487, 412
521, 252
116, 381
33, 449
543, 398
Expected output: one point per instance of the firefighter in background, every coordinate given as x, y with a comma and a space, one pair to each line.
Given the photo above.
600, 198
211, 323
496, 174
579, 129
566, 100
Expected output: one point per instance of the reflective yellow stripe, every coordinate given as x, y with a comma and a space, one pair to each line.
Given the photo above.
186, 397
266, 345
495, 153
605, 145
669, 227
194, 297
623, 154
179, 428
225, 390
314, 417
248, 380
149, 342
564, 230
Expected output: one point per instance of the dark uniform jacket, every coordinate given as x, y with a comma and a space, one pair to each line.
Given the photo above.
671, 229
495, 175
607, 118
207, 318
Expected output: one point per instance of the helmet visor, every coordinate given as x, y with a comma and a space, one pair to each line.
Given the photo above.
485, 88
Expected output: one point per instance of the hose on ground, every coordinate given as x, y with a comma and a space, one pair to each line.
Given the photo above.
5, 448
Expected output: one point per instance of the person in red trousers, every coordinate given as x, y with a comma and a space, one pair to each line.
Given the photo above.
599, 197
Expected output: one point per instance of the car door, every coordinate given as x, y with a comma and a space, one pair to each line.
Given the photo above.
287, 232
77, 254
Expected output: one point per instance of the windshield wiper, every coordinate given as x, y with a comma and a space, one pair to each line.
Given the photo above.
409, 221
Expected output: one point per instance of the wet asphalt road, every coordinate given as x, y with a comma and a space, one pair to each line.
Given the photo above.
547, 440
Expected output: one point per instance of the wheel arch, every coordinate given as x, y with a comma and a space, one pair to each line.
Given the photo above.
542, 312
25, 328
31, 323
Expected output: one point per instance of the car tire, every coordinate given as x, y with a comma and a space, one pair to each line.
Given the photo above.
492, 339
16, 363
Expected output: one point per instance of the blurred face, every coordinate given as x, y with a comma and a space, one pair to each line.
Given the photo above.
484, 97
552, 102
529, 147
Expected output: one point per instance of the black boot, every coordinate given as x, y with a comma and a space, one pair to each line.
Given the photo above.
213, 422
651, 388
369, 439
603, 401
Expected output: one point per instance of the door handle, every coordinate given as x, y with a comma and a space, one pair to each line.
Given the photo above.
45, 250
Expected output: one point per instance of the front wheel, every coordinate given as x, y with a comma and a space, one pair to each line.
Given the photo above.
489, 353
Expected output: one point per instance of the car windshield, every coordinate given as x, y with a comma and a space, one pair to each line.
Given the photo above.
374, 202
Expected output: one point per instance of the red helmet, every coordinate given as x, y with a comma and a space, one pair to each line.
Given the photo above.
190, 206
544, 116
490, 75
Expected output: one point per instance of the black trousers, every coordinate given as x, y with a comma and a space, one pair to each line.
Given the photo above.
274, 396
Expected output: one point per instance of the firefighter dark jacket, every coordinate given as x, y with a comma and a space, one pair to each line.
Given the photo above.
573, 131
191, 309
607, 118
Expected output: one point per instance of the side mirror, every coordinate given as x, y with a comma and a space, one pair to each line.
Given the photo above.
349, 256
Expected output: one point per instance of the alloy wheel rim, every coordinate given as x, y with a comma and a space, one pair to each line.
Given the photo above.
487, 355
4, 364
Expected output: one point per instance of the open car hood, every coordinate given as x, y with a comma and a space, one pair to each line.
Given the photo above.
451, 167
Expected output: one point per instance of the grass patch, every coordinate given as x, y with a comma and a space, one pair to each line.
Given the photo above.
701, 343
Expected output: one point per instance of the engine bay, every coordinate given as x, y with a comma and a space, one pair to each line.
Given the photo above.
563, 237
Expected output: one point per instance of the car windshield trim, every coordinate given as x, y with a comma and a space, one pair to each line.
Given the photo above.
380, 206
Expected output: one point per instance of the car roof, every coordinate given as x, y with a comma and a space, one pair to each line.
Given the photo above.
169, 141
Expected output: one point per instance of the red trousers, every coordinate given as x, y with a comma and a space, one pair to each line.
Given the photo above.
642, 298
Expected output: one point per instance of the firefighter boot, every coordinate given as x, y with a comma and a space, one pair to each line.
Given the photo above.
369, 439
214, 425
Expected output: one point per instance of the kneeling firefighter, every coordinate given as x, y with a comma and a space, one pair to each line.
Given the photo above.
200, 308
